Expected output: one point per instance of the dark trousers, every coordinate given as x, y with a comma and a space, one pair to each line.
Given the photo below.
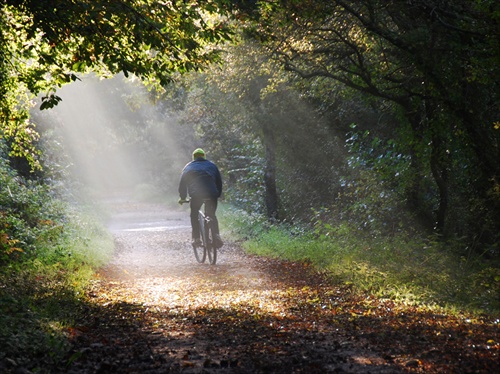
210, 208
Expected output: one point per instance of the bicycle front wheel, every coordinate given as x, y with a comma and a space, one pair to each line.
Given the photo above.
200, 252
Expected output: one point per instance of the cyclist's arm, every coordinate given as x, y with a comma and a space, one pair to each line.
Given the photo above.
183, 188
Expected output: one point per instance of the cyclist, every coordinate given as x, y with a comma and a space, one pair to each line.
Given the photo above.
201, 179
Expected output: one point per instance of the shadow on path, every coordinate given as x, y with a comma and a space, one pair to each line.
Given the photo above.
155, 310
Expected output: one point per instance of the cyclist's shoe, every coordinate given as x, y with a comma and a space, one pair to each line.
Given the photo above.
197, 243
218, 241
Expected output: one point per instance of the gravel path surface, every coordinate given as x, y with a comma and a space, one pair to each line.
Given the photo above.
154, 309
153, 242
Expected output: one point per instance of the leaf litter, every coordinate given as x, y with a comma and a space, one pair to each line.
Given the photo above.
154, 309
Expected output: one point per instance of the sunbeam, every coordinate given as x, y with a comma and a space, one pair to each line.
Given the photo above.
116, 139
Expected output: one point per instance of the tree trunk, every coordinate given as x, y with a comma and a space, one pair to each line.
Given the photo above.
440, 173
485, 145
414, 187
269, 142
271, 198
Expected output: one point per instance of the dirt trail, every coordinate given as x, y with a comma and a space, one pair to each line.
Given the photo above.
152, 243
154, 309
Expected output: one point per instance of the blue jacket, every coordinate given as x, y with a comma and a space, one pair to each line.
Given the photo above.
200, 179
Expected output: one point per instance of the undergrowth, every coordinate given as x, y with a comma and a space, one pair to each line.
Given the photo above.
409, 269
48, 252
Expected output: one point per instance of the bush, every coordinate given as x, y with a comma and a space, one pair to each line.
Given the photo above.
48, 251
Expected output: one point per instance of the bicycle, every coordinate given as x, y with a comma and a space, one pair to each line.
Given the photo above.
208, 247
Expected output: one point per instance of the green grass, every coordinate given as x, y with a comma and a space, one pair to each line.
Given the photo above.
411, 270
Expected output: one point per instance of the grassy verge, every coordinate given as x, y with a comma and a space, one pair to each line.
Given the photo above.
411, 270
41, 291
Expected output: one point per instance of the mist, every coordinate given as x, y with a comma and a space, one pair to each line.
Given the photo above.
112, 139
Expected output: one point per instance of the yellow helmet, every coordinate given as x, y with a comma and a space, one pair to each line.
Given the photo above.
198, 152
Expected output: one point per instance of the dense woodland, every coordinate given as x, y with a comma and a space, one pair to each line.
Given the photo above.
361, 104
383, 115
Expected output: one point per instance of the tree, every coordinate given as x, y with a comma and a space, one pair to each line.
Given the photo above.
436, 60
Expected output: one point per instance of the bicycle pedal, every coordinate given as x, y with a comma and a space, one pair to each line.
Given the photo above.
197, 243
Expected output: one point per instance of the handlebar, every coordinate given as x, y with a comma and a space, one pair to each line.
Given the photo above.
185, 201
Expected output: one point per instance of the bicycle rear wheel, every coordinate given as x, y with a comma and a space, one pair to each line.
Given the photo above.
201, 252
211, 248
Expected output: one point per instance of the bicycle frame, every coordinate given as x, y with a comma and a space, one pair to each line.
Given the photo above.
206, 232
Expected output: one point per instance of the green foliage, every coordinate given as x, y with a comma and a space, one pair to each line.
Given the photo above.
29, 217
374, 192
48, 251
35, 226
241, 223
143, 38
246, 172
